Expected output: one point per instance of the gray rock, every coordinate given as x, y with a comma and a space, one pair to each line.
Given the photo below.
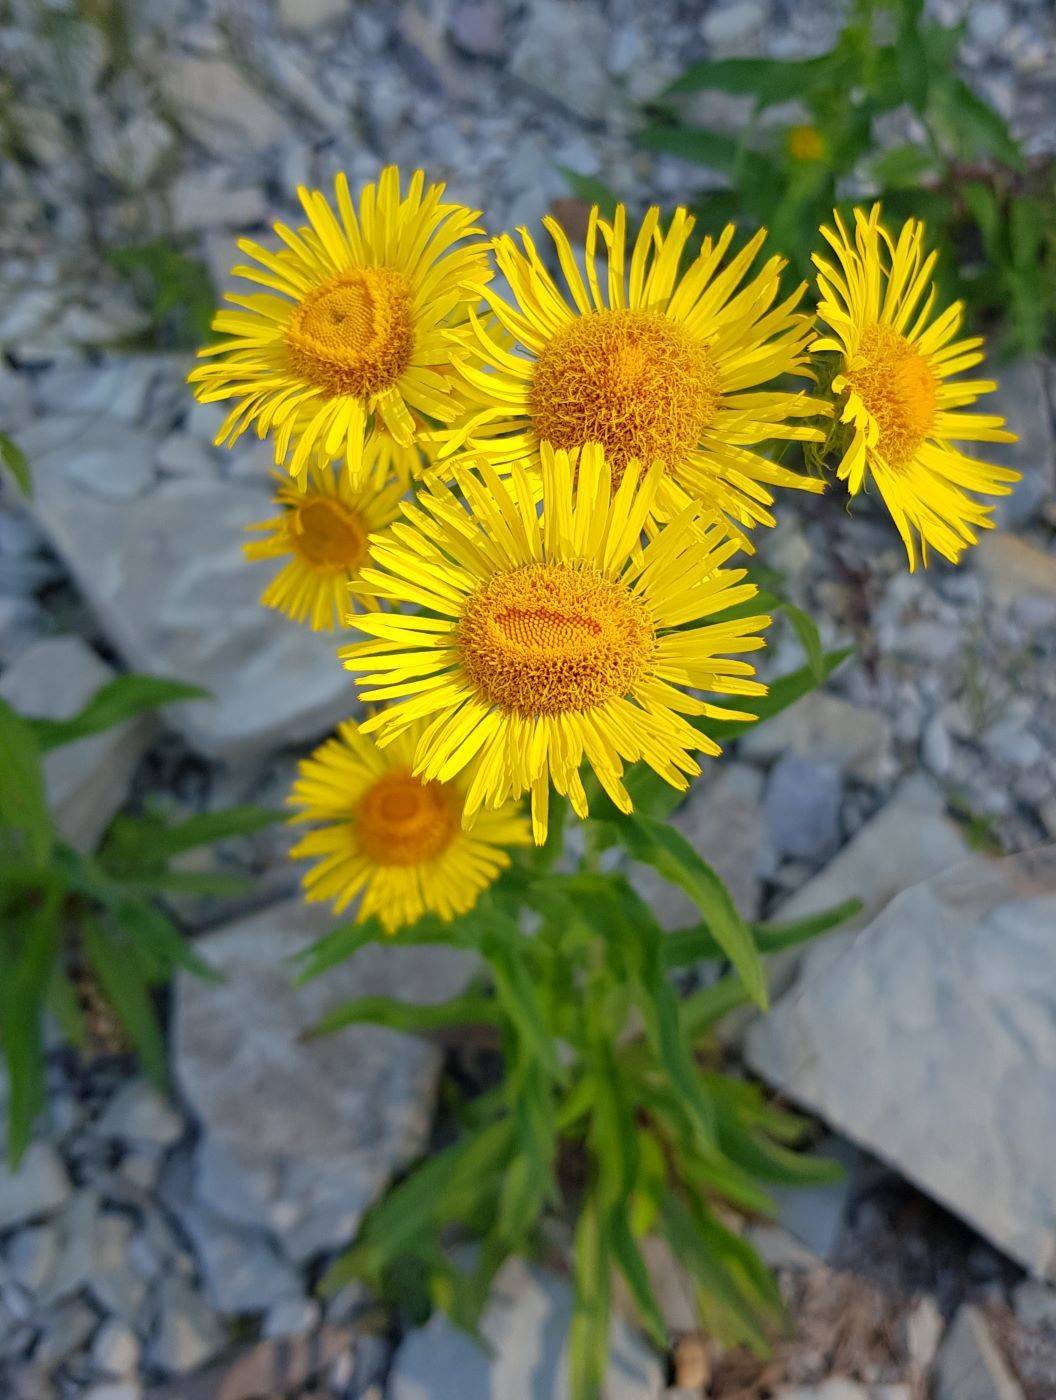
182, 454
306, 15
37, 1189
116, 1283
292, 1318
108, 461
118, 389
73, 1265
1014, 569
187, 1332
66, 1330
204, 200
165, 574
835, 1388
730, 26
300, 1137
969, 1365
115, 1349
138, 1113
219, 107
560, 50
1035, 1304
87, 781
803, 808
526, 1325
722, 820
476, 27
815, 1215
1022, 398
824, 728
31, 1256
924, 1327
114, 1390
927, 1039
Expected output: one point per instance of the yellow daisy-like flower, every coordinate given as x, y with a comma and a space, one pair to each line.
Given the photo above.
895, 376
395, 840
651, 364
353, 326
322, 529
552, 637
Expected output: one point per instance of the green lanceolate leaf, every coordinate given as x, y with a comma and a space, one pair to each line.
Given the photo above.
336, 947
24, 977
121, 976
685, 946
118, 700
517, 993
768, 80
465, 1010
806, 629
14, 459
588, 1337
785, 691
628, 1259
25, 822
671, 855
150, 841
702, 1009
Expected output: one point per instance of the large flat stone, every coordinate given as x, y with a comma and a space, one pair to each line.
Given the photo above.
526, 1325
930, 1039
86, 781
164, 571
301, 1137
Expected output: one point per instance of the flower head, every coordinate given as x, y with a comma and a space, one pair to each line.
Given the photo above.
895, 377
552, 636
650, 364
352, 326
322, 532
392, 838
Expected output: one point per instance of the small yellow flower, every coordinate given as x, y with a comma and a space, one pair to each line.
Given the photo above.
652, 364
805, 143
897, 391
395, 840
353, 324
553, 637
322, 531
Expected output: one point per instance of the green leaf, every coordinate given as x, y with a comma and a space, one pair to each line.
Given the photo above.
783, 692
159, 939
121, 977
806, 629
23, 798
151, 841
14, 459
709, 148
902, 167
24, 979
336, 947
588, 1337
118, 700
972, 124
703, 1008
517, 994
683, 947
669, 853
631, 1265
594, 191
768, 80
465, 1010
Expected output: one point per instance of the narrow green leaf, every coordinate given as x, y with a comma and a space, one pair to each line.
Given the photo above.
117, 700
710, 148
772, 937
145, 924
334, 948
631, 1265
14, 459
23, 987
465, 1010
806, 629
153, 840
669, 853
121, 977
23, 799
768, 80
588, 1337
703, 1008
785, 691
594, 191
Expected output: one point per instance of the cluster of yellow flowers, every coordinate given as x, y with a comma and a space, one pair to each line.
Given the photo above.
557, 482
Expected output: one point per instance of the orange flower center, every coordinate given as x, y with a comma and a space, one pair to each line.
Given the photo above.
327, 535
354, 334
401, 821
548, 639
898, 387
635, 381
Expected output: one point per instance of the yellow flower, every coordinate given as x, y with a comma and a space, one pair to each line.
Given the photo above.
895, 375
353, 325
322, 531
391, 838
652, 365
552, 638
806, 143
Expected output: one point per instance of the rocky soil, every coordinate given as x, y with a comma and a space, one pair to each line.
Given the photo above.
170, 1249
